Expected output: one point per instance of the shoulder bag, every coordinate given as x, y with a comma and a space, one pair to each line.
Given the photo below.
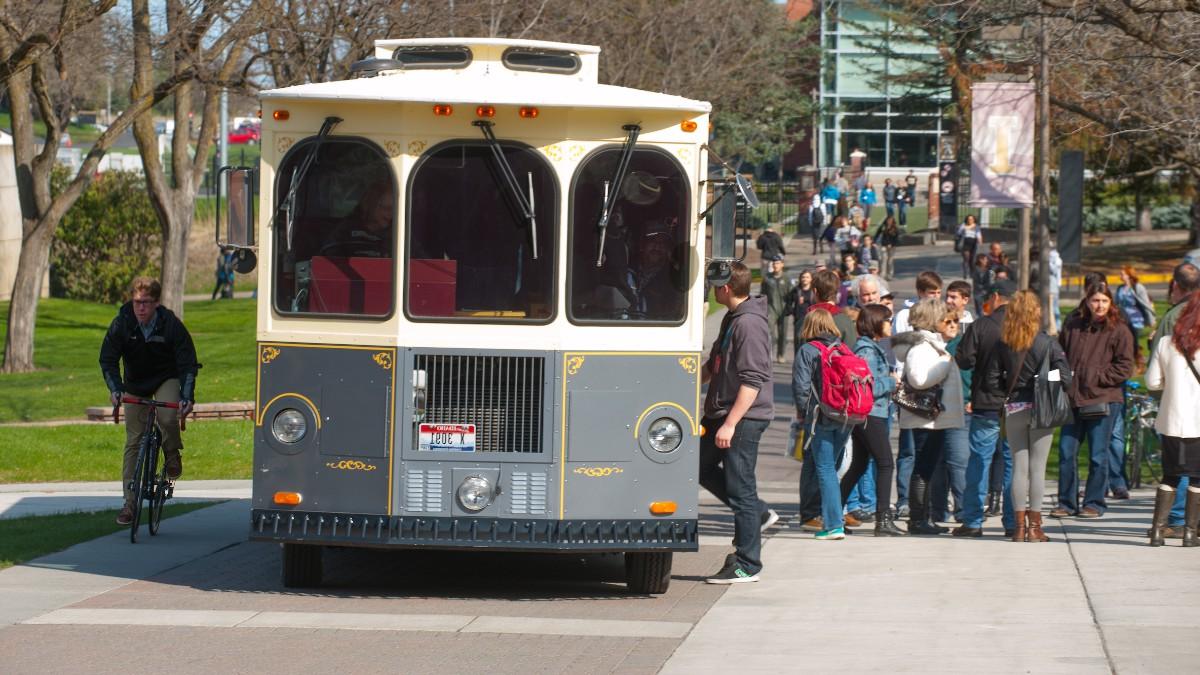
1051, 403
925, 403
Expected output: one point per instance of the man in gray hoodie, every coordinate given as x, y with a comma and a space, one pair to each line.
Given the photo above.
737, 409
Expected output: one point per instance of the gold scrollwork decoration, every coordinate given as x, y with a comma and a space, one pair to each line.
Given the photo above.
599, 471
688, 363
684, 154
575, 152
269, 354
384, 359
393, 148
415, 147
554, 152
574, 364
351, 465
284, 143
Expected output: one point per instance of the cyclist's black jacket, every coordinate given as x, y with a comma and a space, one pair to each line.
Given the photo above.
148, 363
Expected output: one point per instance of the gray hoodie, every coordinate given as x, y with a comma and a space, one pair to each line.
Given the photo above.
741, 354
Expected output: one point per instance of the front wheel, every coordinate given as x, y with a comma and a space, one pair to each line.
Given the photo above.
139, 487
648, 572
159, 488
301, 565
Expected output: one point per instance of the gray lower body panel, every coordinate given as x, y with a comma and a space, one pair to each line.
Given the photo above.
514, 534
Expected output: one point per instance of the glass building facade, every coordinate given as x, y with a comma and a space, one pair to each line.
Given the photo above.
875, 89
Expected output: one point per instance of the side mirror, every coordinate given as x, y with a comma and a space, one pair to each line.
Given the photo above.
724, 223
718, 273
238, 231
746, 191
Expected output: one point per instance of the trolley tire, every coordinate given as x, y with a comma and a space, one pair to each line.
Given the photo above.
648, 571
301, 565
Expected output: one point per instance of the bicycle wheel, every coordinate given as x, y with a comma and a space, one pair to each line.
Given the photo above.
158, 477
1133, 455
139, 487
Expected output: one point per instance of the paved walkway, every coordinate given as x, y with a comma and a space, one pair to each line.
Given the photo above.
39, 499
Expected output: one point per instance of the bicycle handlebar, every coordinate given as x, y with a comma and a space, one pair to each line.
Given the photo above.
137, 400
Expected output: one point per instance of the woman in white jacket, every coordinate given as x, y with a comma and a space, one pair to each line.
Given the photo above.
925, 365
1175, 369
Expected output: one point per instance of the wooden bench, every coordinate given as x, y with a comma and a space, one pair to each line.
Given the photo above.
237, 410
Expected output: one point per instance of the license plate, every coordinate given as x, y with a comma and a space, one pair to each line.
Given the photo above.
446, 437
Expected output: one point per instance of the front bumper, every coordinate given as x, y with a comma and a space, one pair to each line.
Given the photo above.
504, 534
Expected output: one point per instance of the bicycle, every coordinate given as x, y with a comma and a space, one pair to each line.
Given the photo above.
150, 482
1140, 450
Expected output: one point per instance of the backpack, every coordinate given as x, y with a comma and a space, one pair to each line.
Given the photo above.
816, 217
847, 386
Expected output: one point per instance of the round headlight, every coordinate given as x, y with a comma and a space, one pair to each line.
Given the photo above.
475, 493
665, 435
289, 426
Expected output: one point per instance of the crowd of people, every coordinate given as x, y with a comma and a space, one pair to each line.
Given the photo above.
972, 382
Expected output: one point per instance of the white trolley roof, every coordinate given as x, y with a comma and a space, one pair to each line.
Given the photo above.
486, 80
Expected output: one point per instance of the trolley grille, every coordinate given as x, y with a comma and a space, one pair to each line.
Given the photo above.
501, 395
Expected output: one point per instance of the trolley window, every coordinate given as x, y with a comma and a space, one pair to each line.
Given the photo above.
642, 274
472, 252
335, 235
541, 60
442, 56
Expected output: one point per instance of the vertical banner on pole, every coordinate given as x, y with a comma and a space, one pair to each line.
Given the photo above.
948, 196
1002, 130
1070, 206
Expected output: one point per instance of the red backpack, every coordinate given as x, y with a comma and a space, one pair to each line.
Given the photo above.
846, 393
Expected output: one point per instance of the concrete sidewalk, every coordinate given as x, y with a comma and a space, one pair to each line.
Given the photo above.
1096, 599
39, 499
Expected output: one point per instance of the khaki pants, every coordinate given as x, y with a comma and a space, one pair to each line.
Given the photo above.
136, 417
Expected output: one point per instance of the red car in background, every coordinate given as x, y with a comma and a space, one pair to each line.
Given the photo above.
248, 133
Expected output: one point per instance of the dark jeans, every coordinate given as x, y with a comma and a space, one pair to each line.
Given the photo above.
930, 445
1098, 432
904, 466
871, 441
950, 477
729, 475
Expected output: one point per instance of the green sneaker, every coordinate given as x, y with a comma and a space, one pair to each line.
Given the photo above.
732, 573
835, 533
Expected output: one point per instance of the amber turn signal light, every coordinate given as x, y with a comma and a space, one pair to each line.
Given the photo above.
688, 125
281, 115
287, 498
528, 112
485, 111
703, 430
442, 110
662, 508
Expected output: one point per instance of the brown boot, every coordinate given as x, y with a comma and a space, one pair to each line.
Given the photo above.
1035, 533
1191, 517
1164, 497
1022, 525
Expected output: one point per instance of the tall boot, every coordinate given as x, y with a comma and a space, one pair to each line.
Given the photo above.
1191, 517
1164, 498
918, 502
1022, 523
885, 524
1034, 533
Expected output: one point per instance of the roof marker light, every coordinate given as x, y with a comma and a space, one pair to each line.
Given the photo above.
485, 111
688, 125
281, 115
528, 112
443, 110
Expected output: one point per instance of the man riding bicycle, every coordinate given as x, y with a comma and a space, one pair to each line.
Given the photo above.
160, 363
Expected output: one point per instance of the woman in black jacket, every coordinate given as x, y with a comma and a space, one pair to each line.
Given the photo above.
1023, 346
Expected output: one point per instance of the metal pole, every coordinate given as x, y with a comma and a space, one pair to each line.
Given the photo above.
223, 135
1044, 183
1023, 241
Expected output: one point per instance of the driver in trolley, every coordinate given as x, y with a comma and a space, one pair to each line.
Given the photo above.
160, 363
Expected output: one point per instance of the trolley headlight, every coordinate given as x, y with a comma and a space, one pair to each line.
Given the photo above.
289, 426
664, 435
475, 493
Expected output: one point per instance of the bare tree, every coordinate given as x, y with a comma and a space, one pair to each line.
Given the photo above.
31, 87
203, 47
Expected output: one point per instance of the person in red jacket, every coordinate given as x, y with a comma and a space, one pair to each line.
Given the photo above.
1099, 349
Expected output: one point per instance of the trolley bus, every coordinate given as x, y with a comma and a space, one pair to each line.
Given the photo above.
481, 293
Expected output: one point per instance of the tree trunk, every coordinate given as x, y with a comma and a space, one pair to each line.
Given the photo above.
1144, 224
27, 291
175, 249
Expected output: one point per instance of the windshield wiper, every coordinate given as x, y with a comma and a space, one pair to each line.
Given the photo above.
611, 195
288, 204
510, 179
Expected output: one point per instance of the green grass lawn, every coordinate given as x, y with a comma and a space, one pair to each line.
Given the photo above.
68, 337
213, 450
23, 539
